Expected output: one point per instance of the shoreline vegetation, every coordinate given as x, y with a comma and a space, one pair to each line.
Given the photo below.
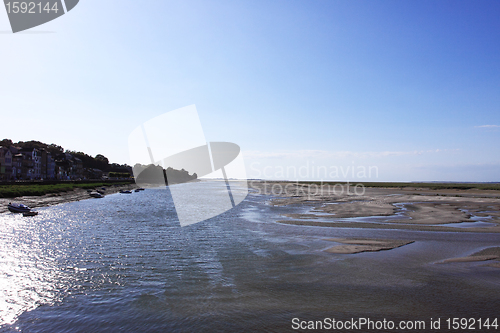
39, 189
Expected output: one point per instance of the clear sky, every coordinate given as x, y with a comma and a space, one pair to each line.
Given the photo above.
409, 87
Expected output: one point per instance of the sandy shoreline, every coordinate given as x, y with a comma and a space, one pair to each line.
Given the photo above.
352, 246
52, 199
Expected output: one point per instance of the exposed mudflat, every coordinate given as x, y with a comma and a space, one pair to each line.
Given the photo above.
491, 253
351, 246
408, 209
52, 199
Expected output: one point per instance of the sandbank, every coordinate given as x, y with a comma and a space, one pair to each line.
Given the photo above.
408, 209
364, 245
491, 253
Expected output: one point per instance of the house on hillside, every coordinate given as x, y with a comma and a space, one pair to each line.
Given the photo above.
91, 173
17, 163
5, 163
68, 167
47, 165
63, 166
37, 164
77, 171
30, 168
50, 167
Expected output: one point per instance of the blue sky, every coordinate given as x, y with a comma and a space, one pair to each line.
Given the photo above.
406, 86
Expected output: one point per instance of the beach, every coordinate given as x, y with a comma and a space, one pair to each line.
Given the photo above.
52, 199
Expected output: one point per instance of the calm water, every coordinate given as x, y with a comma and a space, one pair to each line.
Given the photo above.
123, 263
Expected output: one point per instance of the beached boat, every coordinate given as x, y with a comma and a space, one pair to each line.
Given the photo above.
18, 208
30, 213
96, 195
126, 191
139, 189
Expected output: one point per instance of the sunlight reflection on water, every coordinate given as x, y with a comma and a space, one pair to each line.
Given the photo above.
29, 275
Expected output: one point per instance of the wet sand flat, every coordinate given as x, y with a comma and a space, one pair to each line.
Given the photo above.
492, 253
390, 226
418, 209
352, 246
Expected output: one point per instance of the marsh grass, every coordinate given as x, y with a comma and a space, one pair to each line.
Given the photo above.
12, 191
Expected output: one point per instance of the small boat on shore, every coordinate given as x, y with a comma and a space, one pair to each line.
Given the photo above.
96, 195
139, 189
30, 213
125, 191
18, 208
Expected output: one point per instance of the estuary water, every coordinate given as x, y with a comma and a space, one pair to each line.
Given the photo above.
123, 263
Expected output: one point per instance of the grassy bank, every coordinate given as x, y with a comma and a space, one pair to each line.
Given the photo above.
430, 186
12, 191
